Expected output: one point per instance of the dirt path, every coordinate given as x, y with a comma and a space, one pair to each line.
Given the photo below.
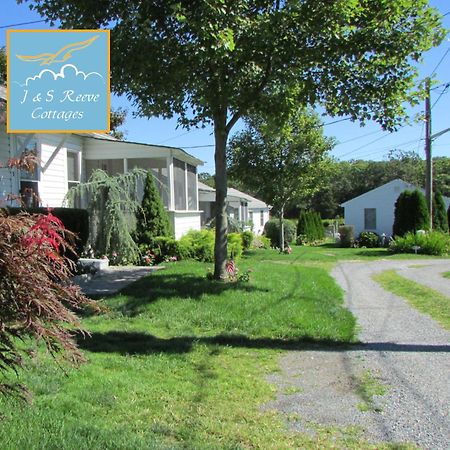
403, 351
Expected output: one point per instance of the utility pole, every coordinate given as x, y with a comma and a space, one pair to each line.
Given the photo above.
428, 156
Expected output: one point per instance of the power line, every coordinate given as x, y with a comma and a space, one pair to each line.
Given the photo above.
440, 61
365, 145
440, 95
20, 24
200, 146
360, 137
175, 137
336, 121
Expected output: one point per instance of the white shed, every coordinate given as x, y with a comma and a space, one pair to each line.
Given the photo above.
374, 210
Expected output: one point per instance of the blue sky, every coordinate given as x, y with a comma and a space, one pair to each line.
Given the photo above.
357, 142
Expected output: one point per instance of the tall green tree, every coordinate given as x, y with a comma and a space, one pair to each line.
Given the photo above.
440, 220
152, 220
411, 213
280, 160
214, 61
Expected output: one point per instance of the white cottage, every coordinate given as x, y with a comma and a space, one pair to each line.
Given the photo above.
374, 210
247, 210
68, 159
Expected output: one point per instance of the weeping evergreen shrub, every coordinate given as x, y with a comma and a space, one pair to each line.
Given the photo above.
112, 202
440, 219
151, 218
411, 213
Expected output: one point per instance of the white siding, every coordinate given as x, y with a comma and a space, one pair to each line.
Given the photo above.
6, 180
183, 221
383, 200
257, 227
53, 182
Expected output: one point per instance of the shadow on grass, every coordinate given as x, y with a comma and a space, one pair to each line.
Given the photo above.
176, 285
135, 343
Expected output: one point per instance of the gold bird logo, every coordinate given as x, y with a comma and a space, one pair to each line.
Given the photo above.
60, 56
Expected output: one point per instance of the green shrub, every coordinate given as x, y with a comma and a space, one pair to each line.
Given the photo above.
164, 247
235, 246
411, 213
272, 231
247, 239
431, 243
74, 219
261, 242
368, 239
199, 245
347, 234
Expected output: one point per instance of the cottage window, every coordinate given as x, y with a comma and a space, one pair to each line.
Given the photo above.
261, 218
29, 181
370, 218
73, 168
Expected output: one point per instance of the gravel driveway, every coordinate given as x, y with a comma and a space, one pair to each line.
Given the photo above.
404, 350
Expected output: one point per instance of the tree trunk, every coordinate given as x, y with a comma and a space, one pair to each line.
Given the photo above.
282, 229
220, 248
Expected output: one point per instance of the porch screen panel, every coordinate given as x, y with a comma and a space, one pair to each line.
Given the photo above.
179, 184
158, 166
192, 187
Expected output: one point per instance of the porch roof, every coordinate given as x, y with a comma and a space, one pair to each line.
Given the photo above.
103, 147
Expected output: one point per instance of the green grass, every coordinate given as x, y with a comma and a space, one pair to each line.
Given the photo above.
369, 386
180, 362
446, 274
423, 298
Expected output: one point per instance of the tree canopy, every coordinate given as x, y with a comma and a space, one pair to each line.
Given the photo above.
214, 61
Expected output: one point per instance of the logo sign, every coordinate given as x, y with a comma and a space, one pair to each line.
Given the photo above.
58, 81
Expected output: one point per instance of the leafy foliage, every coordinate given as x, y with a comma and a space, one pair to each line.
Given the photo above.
431, 243
368, 239
411, 213
73, 219
440, 219
113, 203
117, 119
37, 299
272, 231
247, 239
216, 61
151, 218
280, 160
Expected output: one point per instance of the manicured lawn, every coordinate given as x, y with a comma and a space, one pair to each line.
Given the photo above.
178, 361
446, 274
421, 297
